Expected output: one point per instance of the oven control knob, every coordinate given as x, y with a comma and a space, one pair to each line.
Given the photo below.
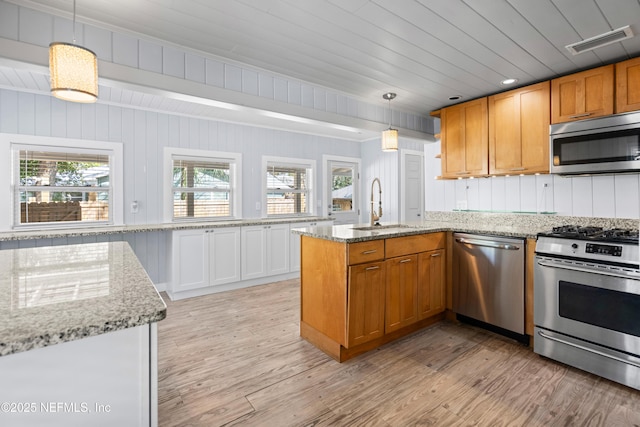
574, 246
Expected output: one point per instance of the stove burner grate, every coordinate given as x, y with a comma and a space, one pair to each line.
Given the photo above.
595, 233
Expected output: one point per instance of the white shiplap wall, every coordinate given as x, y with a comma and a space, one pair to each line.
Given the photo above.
144, 134
608, 196
386, 167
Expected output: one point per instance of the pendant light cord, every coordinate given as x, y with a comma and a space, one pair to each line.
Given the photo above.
74, 21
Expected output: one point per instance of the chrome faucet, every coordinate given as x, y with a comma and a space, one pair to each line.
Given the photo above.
375, 217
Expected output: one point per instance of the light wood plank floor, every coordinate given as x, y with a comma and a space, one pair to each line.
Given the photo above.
236, 358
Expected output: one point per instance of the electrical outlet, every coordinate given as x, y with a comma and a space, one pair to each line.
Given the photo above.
258, 206
461, 204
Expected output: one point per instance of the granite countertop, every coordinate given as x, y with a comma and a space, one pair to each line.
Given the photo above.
523, 226
51, 233
54, 294
349, 234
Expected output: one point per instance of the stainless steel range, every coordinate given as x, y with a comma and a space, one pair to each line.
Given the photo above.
587, 300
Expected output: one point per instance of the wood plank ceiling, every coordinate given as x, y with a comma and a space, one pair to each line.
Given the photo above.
424, 50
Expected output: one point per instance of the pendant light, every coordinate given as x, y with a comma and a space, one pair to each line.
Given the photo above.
73, 70
389, 136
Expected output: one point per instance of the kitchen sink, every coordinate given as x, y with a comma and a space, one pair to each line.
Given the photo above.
380, 227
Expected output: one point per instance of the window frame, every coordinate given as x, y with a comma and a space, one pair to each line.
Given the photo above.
11, 144
235, 181
308, 164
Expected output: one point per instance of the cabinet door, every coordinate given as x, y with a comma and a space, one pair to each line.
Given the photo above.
224, 252
254, 259
628, 85
583, 95
431, 283
365, 303
465, 139
277, 249
190, 260
519, 130
401, 292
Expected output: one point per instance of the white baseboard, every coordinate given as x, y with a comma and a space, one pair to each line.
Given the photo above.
174, 296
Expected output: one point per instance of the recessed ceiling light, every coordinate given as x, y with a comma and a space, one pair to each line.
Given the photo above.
508, 81
455, 97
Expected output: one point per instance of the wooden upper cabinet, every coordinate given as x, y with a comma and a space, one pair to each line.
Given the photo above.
465, 139
628, 85
519, 130
583, 95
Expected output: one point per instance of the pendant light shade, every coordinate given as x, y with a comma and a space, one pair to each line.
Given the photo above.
389, 136
74, 72
390, 140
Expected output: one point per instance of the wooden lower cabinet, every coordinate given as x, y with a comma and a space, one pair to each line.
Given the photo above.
431, 291
357, 297
365, 308
401, 306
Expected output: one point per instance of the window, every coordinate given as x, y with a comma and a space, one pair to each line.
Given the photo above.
63, 182
203, 184
288, 187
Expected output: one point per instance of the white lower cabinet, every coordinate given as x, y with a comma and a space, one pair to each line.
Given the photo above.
222, 258
106, 380
265, 250
205, 257
190, 260
224, 255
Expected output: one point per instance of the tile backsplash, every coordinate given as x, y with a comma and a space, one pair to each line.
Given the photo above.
605, 196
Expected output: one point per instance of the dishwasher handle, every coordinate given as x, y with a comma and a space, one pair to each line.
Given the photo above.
488, 244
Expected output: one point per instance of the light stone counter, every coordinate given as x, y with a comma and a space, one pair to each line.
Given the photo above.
51, 233
50, 295
494, 224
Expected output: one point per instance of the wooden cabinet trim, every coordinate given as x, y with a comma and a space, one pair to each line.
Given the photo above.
407, 245
519, 130
361, 252
583, 95
628, 85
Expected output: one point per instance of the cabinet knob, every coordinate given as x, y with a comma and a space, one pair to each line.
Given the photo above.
372, 251
434, 255
405, 260
375, 267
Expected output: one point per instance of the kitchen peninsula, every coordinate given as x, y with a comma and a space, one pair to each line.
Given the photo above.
362, 287
78, 336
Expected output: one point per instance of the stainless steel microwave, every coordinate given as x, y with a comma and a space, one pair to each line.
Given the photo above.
603, 145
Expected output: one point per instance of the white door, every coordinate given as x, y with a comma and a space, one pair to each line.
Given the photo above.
412, 186
342, 187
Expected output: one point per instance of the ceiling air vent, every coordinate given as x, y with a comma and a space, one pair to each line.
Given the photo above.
601, 40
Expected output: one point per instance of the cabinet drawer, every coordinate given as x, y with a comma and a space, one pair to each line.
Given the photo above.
400, 246
372, 250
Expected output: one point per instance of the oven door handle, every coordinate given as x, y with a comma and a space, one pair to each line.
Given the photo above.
591, 350
488, 244
587, 270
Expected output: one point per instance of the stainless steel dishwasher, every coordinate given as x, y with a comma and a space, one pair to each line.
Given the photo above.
488, 280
